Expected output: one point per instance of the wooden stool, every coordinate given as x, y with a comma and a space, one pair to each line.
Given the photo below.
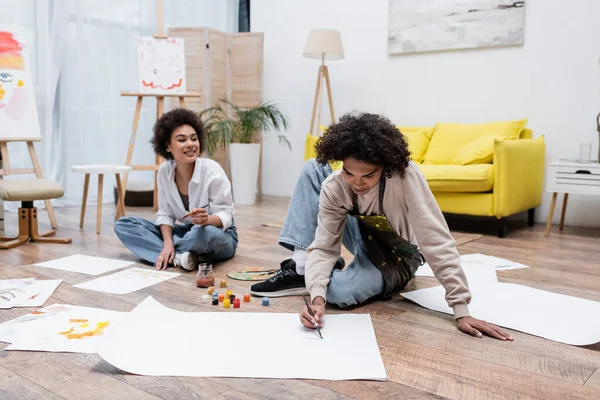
27, 191
101, 170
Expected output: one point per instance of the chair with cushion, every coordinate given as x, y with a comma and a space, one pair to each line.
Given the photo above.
27, 191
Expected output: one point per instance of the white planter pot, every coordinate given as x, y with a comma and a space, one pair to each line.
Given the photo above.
244, 162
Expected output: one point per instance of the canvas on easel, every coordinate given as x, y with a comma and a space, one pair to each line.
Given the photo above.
19, 120
161, 65
161, 73
18, 113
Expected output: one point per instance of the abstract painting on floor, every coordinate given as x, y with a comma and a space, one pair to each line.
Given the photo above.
416, 26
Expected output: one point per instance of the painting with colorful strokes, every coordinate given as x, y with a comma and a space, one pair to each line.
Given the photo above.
18, 112
59, 328
161, 64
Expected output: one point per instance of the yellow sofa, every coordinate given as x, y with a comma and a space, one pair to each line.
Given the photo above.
491, 170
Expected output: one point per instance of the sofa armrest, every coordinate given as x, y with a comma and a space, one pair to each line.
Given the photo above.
518, 175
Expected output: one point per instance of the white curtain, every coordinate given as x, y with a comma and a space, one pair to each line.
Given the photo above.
82, 55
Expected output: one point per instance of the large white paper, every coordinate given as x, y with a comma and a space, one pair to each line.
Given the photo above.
83, 264
44, 290
483, 259
512, 266
65, 329
127, 281
473, 272
553, 316
15, 291
161, 65
241, 344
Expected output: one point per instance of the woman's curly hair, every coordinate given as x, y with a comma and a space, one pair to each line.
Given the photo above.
164, 127
370, 138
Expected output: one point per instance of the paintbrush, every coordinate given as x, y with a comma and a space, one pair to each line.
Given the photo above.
312, 315
191, 212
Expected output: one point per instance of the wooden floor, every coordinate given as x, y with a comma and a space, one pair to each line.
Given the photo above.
425, 355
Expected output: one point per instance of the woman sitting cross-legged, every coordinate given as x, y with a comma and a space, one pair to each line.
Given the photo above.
187, 184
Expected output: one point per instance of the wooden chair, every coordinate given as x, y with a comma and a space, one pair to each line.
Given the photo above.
27, 191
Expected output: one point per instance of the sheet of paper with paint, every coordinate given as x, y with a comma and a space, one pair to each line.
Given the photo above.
76, 330
83, 264
38, 314
44, 290
566, 319
473, 272
15, 291
127, 281
348, 351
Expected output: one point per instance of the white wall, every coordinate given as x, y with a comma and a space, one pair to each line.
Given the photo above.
553, 79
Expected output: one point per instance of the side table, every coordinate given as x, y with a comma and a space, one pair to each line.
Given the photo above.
570, 177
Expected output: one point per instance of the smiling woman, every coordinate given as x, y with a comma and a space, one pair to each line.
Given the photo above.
192, 190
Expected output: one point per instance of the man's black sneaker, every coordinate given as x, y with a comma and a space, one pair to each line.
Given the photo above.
340, 263
285, 283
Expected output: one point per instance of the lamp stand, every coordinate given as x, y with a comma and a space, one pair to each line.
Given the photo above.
323, 75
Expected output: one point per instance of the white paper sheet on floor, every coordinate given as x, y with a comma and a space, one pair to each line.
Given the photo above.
44, 290
127, 281
16, 291
84, 264
242, 344
59, 328
473, 272
500, 264
553, 316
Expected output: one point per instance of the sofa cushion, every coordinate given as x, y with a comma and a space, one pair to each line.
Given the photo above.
450, 138
418, 138
479, 151
459, 178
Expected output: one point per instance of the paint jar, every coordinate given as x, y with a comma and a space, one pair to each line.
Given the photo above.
205, 276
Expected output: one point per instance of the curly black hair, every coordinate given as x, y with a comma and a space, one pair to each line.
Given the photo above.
366, 137
164, 127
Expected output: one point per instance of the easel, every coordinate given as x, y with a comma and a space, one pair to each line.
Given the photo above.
323, 75
160, 106
37, 170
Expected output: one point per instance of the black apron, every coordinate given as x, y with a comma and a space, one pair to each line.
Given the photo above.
395, 257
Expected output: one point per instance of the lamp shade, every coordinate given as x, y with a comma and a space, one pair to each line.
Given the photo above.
324, 44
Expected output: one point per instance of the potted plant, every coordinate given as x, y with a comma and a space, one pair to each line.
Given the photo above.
238, 129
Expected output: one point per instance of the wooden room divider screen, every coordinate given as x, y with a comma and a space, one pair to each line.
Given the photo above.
219, 65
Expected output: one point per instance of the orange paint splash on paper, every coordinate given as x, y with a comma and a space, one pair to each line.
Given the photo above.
74, 321
100, 326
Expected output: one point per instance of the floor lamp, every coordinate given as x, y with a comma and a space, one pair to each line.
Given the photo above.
323, 44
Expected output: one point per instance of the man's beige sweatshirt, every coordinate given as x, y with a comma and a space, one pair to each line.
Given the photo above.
414, 214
